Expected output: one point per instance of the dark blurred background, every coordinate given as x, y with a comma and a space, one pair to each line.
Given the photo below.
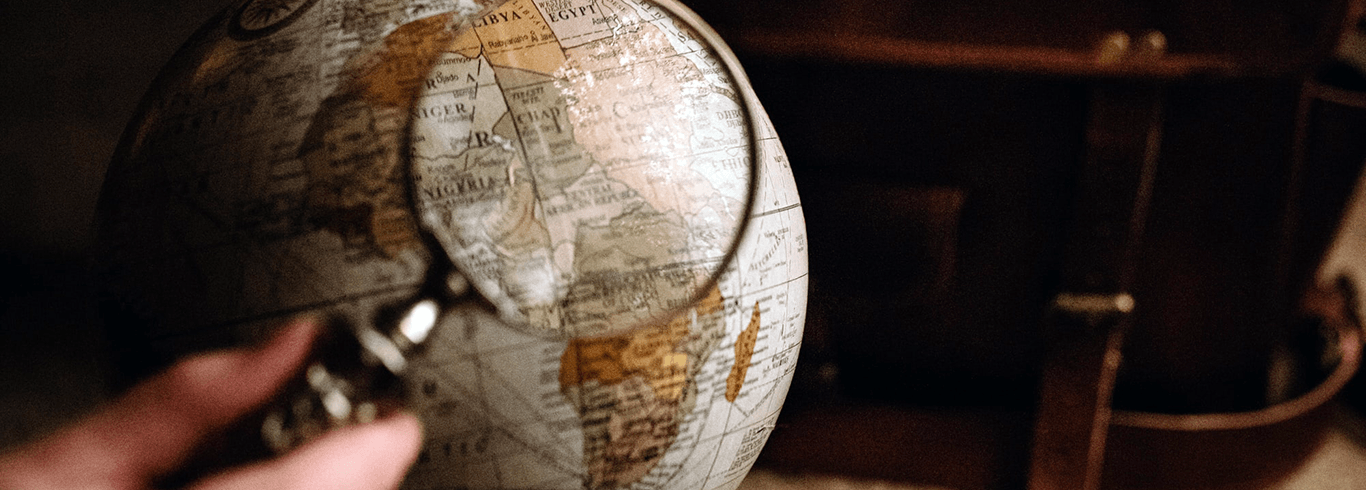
73, 73
938, 147
947, 155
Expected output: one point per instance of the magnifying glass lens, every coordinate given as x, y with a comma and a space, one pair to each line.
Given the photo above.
593, 182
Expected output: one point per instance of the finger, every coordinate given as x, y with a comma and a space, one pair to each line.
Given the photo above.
152, 428
373, 456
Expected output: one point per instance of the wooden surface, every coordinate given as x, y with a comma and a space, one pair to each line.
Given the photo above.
1042, 60
1209, 38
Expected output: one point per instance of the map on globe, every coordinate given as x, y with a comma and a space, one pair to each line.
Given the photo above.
589, 169
266, 177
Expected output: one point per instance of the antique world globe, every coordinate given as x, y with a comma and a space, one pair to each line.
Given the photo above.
319, 157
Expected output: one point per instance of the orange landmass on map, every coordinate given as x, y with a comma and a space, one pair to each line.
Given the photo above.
744, 353
514, 36
653, 353
351, 151
392, 74
631, 389
648, 353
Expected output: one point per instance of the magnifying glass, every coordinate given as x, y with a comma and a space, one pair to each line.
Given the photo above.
575, 186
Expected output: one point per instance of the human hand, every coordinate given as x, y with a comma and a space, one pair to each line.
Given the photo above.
154, 428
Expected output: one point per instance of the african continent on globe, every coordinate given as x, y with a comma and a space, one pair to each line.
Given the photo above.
266, 175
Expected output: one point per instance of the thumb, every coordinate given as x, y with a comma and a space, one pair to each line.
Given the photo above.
153, 427
373, 456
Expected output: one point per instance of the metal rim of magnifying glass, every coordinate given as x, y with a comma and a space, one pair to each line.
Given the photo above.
437, 281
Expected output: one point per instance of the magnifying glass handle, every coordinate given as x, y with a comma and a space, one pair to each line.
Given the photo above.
354, 375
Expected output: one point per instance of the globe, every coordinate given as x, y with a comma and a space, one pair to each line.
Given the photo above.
267, 175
